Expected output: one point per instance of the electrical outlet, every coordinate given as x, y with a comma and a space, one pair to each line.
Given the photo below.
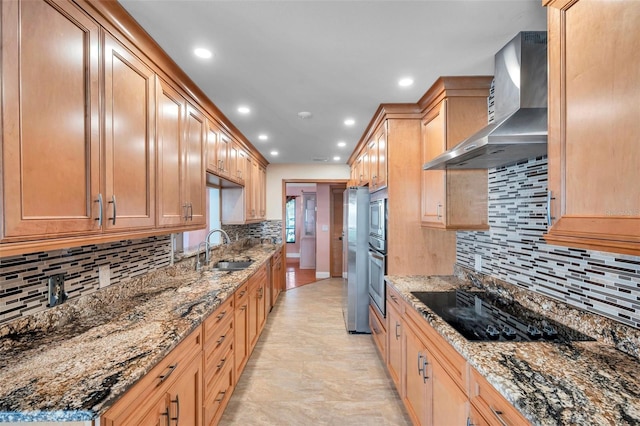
57, 295
104, 276
478, 262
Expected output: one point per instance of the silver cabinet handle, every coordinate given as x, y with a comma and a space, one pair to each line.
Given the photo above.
177, 402
220, 340
549, 217
423, 369
170, 370
166, 413
221, 394
397, 325
498, 415
469, 422
191, 211
113, 201
99, 218
438, 214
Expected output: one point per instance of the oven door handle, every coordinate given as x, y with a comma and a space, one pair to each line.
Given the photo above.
374, 254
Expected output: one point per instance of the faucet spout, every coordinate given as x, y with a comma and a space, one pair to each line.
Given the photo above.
198, 263
208, 245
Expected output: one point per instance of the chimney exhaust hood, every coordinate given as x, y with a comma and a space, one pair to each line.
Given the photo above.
519, 131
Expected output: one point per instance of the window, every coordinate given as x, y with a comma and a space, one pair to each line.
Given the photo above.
290, 220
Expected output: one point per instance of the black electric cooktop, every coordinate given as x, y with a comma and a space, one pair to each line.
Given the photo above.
481, 316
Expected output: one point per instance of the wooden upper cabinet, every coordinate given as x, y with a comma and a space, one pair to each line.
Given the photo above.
224, 146
212, 147
129, 197
182, 137
171, 115
194, 172
455, 108
380, 180
434, 143
594, 130
50, 113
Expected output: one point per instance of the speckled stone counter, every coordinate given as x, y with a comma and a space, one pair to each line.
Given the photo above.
71, 362
580, 383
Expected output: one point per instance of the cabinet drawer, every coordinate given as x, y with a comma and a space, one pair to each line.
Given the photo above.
394, 299
490, 404
219, 395
241, 294
378, 331
214, 365
141, 397
215, 349
217, 322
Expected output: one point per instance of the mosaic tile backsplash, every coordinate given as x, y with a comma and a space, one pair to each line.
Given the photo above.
515, 251
24, 279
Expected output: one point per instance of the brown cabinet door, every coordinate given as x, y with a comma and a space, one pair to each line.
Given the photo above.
594, 131
185, 395
450, 403
381, 138
50, 133
262, 193
241, 342
224, 145
194, 172
158, 415
417, 379
394, 339
434, 142
212, 147
171, 110
233, 162
129, 139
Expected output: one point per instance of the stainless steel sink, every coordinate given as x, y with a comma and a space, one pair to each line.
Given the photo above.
231, 266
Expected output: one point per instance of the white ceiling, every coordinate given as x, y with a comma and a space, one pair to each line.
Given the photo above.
335, 59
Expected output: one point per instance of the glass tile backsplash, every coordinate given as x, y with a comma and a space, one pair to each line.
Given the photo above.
515, 251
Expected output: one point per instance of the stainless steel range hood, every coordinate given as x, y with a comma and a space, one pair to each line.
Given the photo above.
519, 131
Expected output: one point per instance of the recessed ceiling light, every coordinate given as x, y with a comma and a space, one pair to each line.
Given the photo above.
203, 53
304, 115
263, 137
274, 153
349, 122
342, 144
336, 158
405, 82
244, 110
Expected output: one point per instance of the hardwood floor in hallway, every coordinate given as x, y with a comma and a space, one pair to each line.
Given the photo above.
307, 370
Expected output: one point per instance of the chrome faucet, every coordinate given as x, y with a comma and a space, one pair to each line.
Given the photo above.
208, 246
198, 264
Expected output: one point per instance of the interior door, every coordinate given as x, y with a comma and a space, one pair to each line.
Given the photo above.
308, 237
336, 230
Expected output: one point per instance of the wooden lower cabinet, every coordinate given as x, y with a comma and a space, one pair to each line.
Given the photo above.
435, 382
490, 408
174, 384
257, 302
277, 277
394, 345
194, 383
417, 384
241, 332
378, 331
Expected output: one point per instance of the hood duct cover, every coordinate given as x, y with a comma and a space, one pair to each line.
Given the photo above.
519, 131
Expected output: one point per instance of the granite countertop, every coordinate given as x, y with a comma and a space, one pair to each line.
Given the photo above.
71, 362
578, 383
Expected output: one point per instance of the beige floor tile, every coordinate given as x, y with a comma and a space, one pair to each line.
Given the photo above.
307, 370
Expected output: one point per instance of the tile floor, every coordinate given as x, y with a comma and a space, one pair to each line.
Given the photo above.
307, 370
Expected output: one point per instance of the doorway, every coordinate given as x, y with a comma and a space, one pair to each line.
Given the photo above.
318, 243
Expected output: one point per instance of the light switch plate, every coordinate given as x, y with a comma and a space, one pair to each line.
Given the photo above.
104, 276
